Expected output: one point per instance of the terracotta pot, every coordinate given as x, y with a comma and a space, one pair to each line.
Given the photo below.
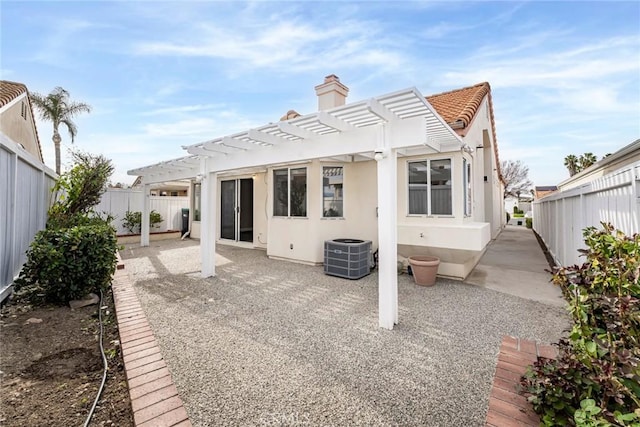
425, 269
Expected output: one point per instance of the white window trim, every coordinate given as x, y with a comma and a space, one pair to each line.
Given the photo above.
429, 214
288, 216
332, 218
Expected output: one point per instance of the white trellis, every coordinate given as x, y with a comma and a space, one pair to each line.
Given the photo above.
381, 128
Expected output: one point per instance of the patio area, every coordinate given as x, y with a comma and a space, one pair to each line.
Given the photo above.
276, 343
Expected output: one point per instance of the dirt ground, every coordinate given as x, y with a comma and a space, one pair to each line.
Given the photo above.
50, 370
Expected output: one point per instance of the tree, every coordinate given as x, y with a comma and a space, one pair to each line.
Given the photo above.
78, 190
577, 164
572, 163
57, 108
516, 178
586, 160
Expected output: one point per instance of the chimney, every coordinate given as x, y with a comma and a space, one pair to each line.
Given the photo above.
331, 93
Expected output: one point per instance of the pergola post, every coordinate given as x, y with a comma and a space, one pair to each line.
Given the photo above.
146, 210
387, 160
208, 221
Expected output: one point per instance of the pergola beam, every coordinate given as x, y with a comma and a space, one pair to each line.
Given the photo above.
256, 135
334, 122
376, 108
287, 127
219, 148
238, 143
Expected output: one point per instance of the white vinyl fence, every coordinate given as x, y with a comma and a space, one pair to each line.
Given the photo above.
25, 185
117, 202
560, 218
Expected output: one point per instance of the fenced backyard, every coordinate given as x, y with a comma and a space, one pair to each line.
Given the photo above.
560, 218
25, 185
118, 201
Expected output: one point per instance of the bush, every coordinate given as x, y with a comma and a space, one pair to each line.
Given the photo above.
77, 191
133, 221
66, 264
76, 253
596, 379
518, 215
508, 217
529, 222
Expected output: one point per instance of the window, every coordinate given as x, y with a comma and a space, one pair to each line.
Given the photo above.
290, 192
332, 191
430, 187
466, 178
197, 201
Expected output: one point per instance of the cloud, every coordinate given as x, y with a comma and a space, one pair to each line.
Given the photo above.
445, 29
181, 109
288, 46
55, 48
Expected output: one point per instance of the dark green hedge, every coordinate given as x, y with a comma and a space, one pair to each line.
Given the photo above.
66, 264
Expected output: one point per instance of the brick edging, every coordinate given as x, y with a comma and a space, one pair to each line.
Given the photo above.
154, 398
507, 407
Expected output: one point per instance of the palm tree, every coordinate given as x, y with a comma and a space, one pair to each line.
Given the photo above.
572, 163
58, 109
587, 159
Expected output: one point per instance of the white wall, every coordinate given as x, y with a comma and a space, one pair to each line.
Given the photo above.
560, 217
25, 185
487, 195
307, 235
118, 201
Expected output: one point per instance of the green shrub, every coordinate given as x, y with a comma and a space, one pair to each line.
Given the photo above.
596, 378
529, 222
508, 217
66, 264
518, 215
133, 221
77, 191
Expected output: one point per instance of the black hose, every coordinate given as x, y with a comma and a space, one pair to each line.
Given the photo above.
104, 362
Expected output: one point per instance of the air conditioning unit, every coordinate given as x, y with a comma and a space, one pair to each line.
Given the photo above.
348, 258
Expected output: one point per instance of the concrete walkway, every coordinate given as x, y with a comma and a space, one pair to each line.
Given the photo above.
515, 264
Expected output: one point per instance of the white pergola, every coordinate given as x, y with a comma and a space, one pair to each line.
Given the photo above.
381, 128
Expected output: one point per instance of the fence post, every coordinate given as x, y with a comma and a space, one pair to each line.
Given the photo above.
144, 226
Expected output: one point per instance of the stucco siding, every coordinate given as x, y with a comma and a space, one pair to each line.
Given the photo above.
17, 123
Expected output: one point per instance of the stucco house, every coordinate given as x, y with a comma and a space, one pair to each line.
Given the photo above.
413, 174
16, 118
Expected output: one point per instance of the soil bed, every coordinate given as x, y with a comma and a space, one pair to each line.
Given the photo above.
50, 371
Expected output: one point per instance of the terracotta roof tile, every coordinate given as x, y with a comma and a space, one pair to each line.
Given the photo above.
11, 90
458, 108
291, 114
459, 105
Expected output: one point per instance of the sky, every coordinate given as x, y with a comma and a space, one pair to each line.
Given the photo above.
565, 76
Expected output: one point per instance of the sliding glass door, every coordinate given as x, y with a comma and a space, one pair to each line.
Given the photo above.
236, 210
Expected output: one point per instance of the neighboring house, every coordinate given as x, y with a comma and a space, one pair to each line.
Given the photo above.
24, 181
541, 191
523, 203
17, 121
414, 175
628, 155
169, 189
607, 191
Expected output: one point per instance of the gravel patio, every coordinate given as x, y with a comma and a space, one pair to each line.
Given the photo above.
277, 343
